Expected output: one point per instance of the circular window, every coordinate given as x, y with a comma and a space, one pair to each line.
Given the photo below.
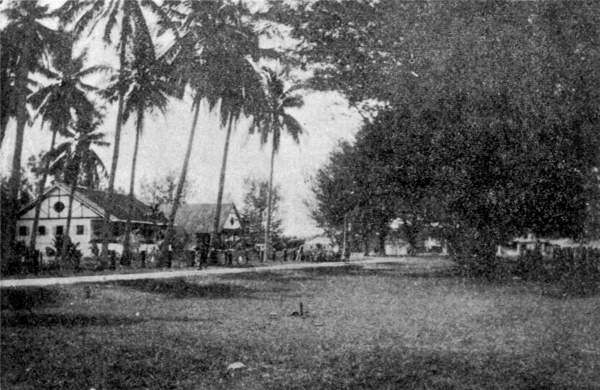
59, 206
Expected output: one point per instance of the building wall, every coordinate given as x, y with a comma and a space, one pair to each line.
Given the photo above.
50, 225
232, 222
52, 216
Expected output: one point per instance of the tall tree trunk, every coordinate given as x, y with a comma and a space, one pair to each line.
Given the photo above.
217, 220
138, 131
180, 184
15, 175
269, 203
106, 228
41, 186
67, 232
382, 236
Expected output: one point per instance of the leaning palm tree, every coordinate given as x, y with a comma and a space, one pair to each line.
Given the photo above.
61, 102
272, 121
211, 37
26, 40
126, 16
149, 89
73, 157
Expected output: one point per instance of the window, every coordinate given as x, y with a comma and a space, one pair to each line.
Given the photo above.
59, 230
23, 231
79, 230
59, 206
42, 230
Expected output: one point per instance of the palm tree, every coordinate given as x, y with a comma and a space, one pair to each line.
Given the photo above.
272, 121
74, 157
25, 41
149, 88
8, 66
60, 103
212, 46
132, 27
239, 88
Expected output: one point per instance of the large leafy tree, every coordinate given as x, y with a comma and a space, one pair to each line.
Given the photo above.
502, 89
273, 121
25, 41
126, 18
62, 102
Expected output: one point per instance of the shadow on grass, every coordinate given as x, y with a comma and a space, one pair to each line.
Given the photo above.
181, 289
71, 320
268, 276
396, 270
65, 320
29, 298
380, 369
113, 365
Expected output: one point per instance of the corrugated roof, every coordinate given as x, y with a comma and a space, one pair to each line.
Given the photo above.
199, 217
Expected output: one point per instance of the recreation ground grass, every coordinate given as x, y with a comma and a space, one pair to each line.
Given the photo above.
387, 326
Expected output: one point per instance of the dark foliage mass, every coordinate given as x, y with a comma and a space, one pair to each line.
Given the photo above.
489, 119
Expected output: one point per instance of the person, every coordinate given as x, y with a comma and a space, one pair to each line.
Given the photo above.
202, 255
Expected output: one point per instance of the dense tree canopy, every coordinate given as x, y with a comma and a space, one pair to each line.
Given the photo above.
491, 111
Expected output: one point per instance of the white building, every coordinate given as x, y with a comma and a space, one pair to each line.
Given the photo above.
86, 218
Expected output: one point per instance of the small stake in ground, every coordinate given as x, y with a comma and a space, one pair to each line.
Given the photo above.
299, 313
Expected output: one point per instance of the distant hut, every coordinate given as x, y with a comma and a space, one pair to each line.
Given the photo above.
197, 220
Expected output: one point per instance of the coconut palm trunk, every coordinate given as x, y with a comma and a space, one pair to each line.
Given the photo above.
41, 186
269, 202
67, 233
15, 176
138, 131
217, 220
179, 191
106, 230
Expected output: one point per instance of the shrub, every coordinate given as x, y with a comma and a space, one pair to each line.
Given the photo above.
575, 270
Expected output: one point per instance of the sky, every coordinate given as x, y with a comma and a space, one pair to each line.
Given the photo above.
326, 118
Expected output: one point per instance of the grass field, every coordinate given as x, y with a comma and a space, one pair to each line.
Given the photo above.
386, 326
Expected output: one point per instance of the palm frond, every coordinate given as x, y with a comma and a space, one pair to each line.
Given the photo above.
93, 70
293, 127
293, 101
111, 21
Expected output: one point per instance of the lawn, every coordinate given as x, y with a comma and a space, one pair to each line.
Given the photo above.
385, 326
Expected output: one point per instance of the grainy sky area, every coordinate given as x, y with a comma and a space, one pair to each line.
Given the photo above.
325, 116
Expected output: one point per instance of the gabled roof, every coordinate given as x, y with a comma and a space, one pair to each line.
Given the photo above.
97, 201
199, 217
119, 206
